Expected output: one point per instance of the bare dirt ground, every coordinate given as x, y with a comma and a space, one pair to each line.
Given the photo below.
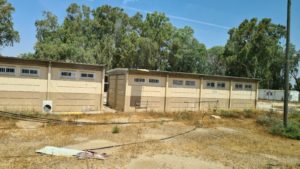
218, 143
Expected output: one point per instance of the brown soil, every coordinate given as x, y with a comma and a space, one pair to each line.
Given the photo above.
219, 143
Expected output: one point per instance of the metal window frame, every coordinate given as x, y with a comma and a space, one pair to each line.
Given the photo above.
139, 82
177, 84
221, 87
189, 85
8, 73
158, 81
209, 86
25, 74
88, 78
238, 88
246, 88
73, 74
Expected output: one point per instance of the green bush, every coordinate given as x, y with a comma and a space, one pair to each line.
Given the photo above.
265, 120
115, 130
230, 114
249, 113
276, 128
291, 131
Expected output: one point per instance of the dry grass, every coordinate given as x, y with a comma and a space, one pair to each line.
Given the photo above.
235, 142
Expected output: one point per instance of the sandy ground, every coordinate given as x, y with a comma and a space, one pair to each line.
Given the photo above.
222, 143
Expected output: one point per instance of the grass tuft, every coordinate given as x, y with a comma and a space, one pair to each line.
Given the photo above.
230, 113
115, 130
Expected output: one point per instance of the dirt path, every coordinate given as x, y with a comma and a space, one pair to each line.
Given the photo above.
223, 143
164, 161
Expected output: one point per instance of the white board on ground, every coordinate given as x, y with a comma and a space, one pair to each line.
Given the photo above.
57, 151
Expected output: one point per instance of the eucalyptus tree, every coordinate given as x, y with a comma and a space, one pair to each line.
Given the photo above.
8, 36
254, 49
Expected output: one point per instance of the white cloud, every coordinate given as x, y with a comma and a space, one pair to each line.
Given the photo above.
181, 18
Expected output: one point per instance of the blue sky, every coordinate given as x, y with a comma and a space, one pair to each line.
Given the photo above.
210, 19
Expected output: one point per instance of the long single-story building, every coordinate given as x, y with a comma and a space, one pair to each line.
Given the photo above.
39, 85
135, 89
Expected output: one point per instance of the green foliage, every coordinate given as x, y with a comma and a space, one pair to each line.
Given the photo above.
216, 60
265, 120
275, 126
254, 50
230, 113
291, 131
115, 130
27, 55
7, 33
107, 35
249, 113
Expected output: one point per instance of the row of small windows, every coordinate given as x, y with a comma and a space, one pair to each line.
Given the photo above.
143, 80
187, 83
223, 85
220, 85
7, 70
72, 75
35, 72
23, 71
156, 81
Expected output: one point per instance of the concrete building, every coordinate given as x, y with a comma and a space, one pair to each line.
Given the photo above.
37, 85
277, 95
136, 89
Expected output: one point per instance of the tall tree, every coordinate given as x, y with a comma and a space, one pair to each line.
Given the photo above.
216, 61
253, 48
7, 33
186, 53
158, 29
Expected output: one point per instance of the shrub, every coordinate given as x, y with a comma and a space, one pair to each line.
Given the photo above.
291, 131
265, 120
115, 130
229, 113
249, 113
276, 128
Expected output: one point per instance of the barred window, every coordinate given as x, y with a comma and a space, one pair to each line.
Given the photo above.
238, 86
29, 72
154, 81
190, 83
67, 74
210, 84
87, 75
248, 86
139, 80
7, 70
221, 85
178, 82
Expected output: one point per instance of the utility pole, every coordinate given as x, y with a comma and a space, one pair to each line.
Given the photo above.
286, 73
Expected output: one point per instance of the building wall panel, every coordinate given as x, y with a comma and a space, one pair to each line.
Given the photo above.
75, 102
182, 104
242, 103
22, 93
21, 101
